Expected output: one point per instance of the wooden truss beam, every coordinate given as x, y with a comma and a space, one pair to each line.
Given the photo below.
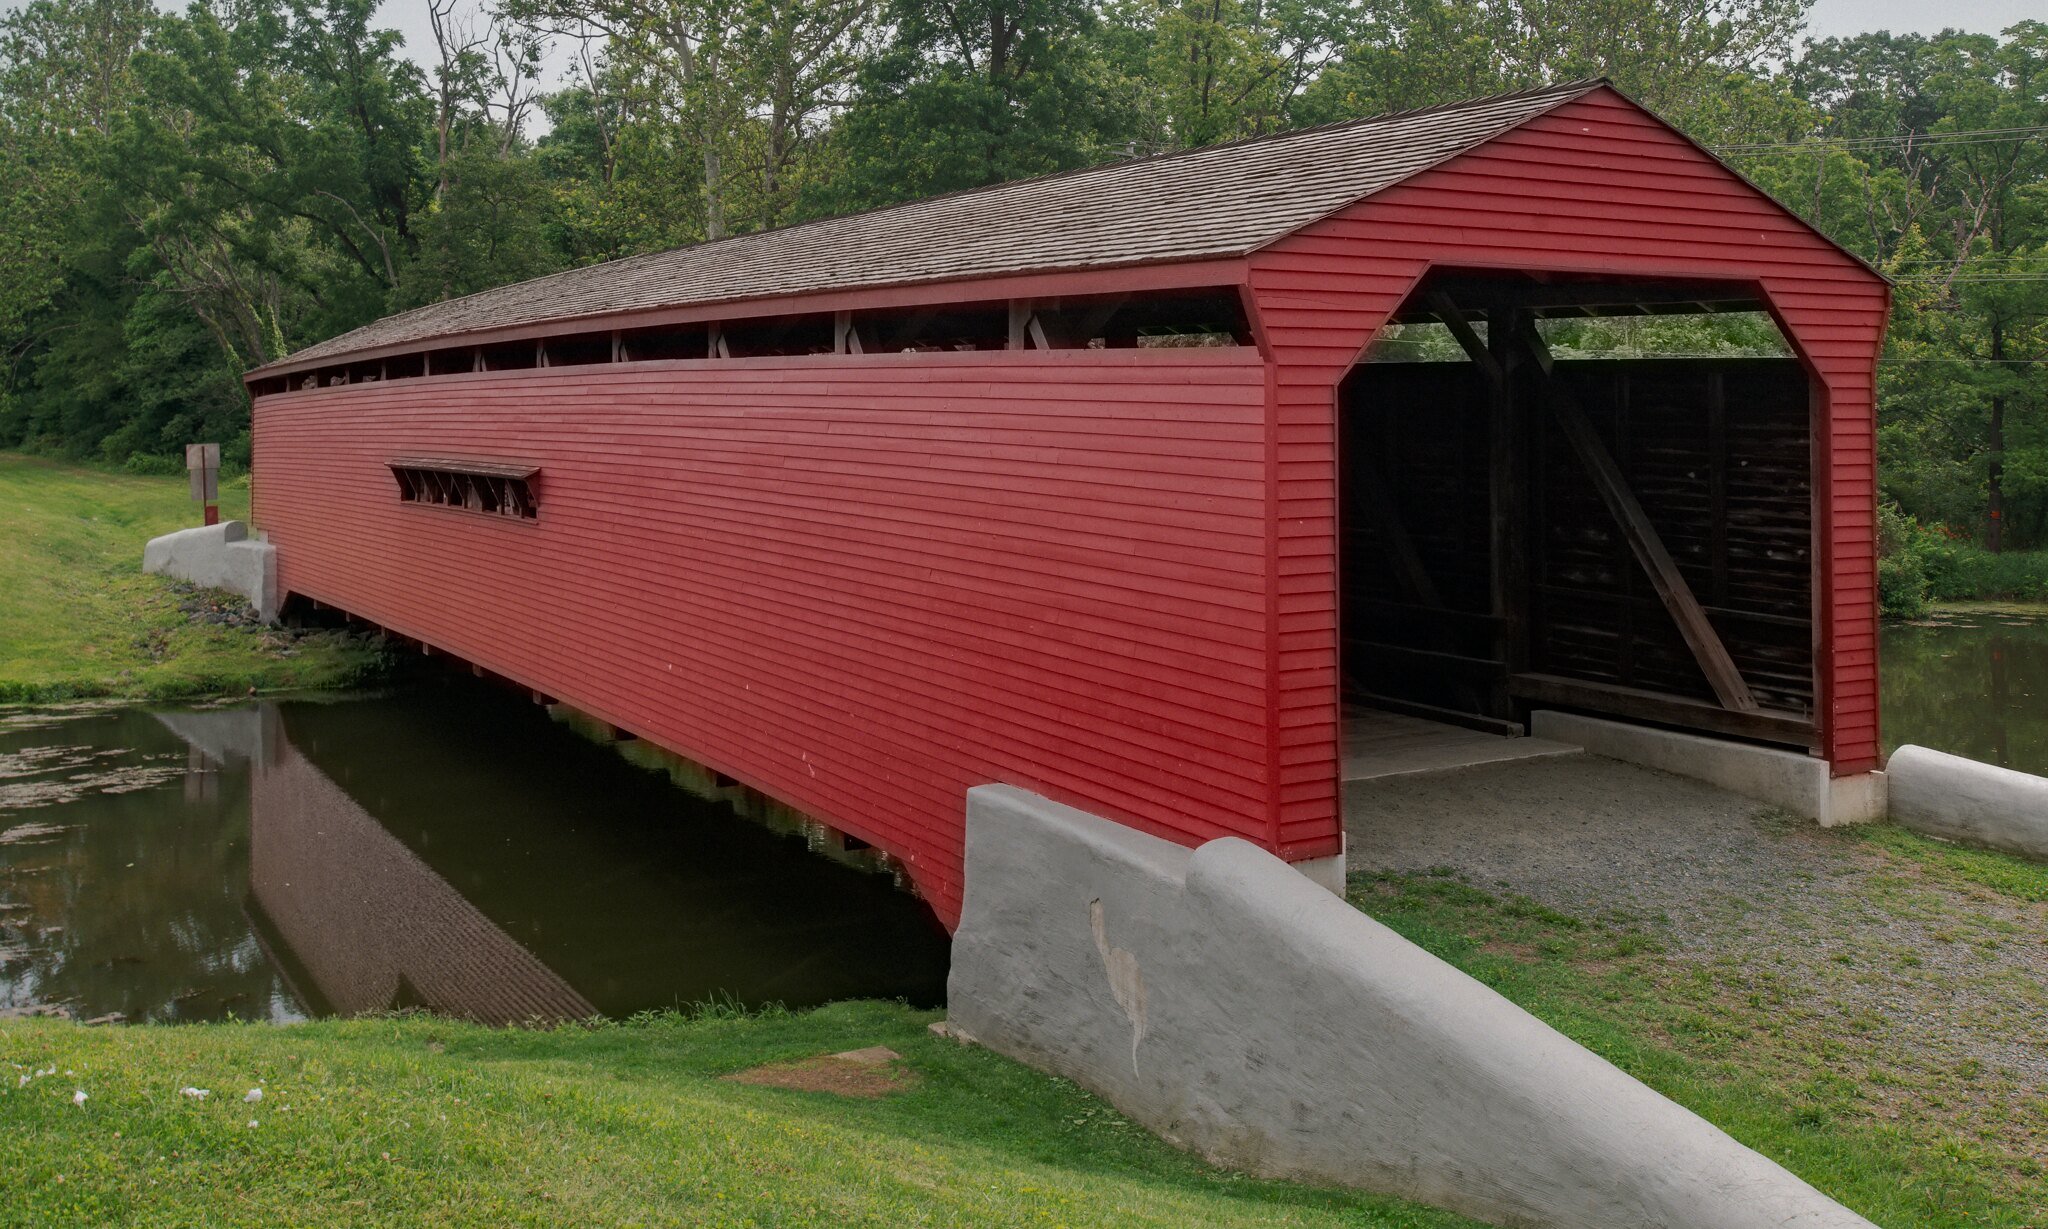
846, 335
1612, 485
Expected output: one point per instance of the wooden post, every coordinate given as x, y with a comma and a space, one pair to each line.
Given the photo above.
1508, 492
1020, 322
845, 337
1453, 318
202, 467
1717, 485
1642, 537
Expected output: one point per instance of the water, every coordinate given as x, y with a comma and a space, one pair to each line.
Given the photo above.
446, 846
1972, 684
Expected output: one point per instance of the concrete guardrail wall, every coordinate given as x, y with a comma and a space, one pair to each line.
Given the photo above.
1974, 803
1228, 1003
221, 556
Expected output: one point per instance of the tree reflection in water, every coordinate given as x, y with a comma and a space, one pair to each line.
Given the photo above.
1970, 683
445, 847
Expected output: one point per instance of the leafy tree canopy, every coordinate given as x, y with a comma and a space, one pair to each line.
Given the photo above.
185, 195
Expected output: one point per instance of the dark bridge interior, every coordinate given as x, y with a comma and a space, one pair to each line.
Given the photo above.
1631, 536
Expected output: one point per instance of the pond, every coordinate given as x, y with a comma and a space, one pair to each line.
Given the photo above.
445, 846
1972, 682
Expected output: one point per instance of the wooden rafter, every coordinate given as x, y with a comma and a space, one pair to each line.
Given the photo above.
1446, 310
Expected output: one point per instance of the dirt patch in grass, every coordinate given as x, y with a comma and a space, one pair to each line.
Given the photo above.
832, 1073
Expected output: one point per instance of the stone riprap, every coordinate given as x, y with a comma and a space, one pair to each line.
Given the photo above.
1236, 1008
221, 556
1965, 800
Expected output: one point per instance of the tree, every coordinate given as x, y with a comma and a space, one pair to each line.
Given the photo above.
1946, 132
973, 92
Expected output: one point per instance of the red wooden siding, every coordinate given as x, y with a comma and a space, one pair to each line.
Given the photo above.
865, 584
861, 585
1594, 186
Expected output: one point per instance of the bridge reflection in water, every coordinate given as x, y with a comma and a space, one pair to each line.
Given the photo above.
449, 849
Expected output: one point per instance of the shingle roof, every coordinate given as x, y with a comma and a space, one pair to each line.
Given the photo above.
1220, 201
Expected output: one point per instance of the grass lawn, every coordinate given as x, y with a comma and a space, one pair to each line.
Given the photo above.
1875, 1026
417, 1121
80, 619
1791, 1043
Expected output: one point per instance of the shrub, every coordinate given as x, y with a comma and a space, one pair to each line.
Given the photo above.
1901, 586
1917, 565
1971, 573
1904, 547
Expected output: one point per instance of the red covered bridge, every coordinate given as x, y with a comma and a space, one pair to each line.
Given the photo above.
1094, 484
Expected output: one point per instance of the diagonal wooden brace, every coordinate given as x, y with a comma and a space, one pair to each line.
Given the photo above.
1642, 537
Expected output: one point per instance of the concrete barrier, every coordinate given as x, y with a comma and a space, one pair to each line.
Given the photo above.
1974, 803
219, 556
1800, 783
1225, 1001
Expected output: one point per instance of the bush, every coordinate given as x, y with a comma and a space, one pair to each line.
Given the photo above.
1904, 547
1902, 591
1917, 565
1970, 573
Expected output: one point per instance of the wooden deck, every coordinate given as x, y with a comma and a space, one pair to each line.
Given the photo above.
1382, 744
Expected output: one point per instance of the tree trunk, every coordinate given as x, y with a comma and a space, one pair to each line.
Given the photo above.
714, 192
1994, 470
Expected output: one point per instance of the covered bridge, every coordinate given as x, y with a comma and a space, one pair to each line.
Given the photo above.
1092, 484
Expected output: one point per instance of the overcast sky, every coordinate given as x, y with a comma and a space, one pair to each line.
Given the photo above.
1828, 18
1833, 18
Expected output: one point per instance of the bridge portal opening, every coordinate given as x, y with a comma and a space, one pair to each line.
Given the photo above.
1576, 494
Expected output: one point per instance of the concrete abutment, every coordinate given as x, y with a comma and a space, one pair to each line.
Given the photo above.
221, 556
1235, 1007
1802, 784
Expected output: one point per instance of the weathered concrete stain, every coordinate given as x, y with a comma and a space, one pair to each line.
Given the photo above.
1290, 1035
1126, 980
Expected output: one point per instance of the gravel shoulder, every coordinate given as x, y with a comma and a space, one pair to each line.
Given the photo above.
1911, 973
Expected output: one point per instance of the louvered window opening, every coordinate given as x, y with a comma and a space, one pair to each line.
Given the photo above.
496, 490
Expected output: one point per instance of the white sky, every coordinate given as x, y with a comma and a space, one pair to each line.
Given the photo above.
1838, 18
1829, 18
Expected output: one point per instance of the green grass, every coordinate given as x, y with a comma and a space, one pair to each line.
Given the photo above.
1896, 1130
1957, 866
80, 619
416, 1121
